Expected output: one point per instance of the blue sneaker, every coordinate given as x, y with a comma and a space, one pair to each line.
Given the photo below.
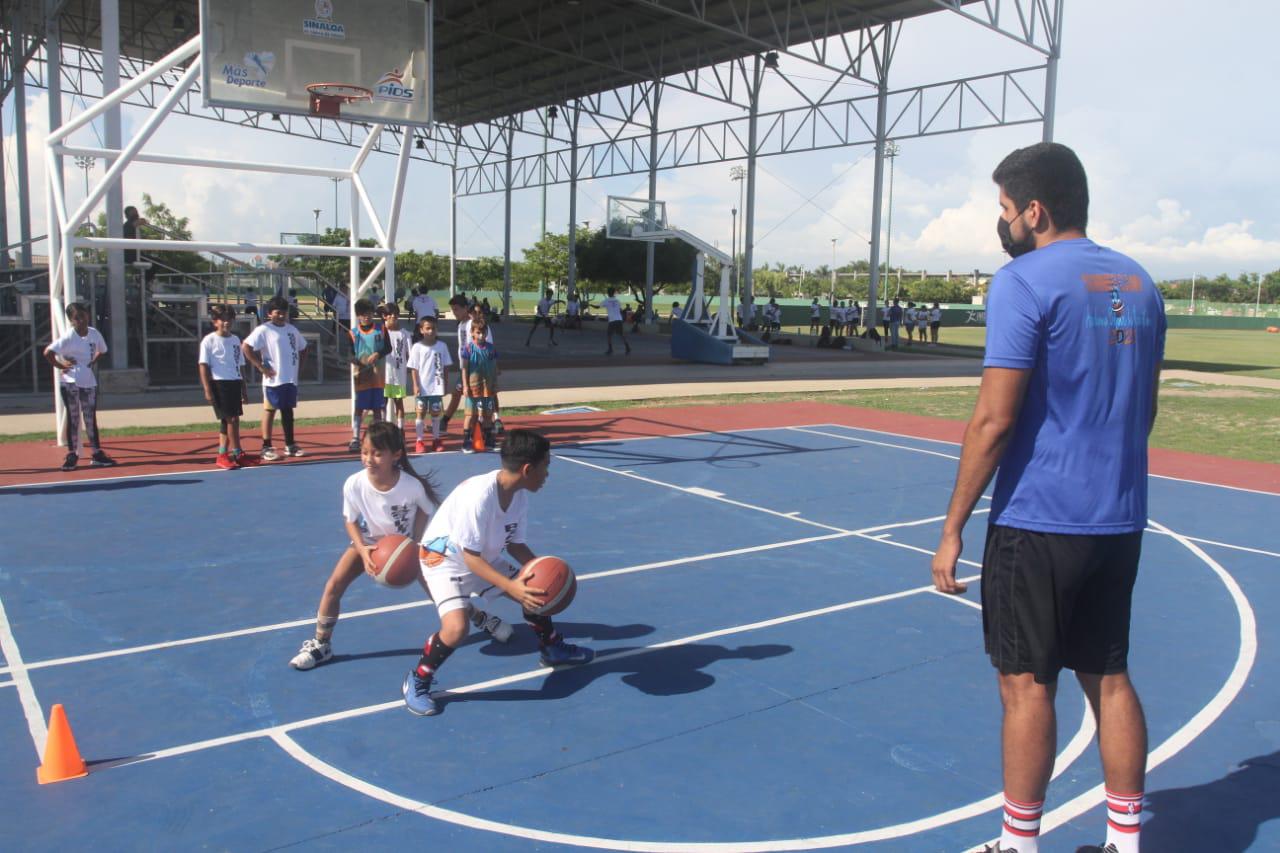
561, 653
417, 694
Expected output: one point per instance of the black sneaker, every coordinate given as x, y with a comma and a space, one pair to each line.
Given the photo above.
102, 460
69, 463
1097, 848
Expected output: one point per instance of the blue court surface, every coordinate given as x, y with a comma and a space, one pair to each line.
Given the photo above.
773, 671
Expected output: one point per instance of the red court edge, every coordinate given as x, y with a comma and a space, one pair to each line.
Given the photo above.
37, 462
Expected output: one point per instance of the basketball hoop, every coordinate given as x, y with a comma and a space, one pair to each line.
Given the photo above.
327, 98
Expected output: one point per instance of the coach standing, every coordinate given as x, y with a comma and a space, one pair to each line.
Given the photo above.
1075, 337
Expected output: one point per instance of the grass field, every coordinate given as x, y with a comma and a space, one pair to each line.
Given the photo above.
1242, 352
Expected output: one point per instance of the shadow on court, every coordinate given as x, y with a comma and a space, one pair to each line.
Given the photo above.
669, 671
94, 486
1222, 816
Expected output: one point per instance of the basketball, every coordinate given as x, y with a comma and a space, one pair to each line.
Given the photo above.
396, 558
553, 575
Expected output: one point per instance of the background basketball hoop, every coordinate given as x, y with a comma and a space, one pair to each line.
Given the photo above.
327, 98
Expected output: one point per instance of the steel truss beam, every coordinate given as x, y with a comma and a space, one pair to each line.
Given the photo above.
1031, 23
1000, 99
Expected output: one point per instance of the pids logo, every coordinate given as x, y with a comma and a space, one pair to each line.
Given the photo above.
391, 87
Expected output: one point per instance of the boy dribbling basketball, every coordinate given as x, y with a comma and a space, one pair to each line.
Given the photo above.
460, 557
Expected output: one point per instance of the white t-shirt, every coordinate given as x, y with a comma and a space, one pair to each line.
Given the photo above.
922, 317
379, 514
935, 315
571, 308
464, 333
424, 306
283, 346
398, 358
340, 305
544, 307
429, 362
222, 354
910, 316
613, 308
472, 518
82, 349
855, 313
815, 311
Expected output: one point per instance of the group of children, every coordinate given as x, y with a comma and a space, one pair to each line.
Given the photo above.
462, 539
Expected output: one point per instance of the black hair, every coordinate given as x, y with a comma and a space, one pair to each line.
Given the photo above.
73, 307
424, 318
611, 291
458, 299
277, 303
384, 435
363, 306
222, 312
524, 447
388, 308
1051, 174
130, 210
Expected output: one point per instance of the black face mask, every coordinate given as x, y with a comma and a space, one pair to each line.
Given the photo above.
1014, 248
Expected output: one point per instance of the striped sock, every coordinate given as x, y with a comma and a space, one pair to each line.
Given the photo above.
1124, 820
1021, 826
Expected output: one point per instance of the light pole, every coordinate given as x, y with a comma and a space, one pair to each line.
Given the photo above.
316, 211
1193, 293
832, 301
739, 174
336, 181
891, 150
86, 163
552, 112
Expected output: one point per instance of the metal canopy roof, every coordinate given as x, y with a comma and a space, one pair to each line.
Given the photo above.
496, 58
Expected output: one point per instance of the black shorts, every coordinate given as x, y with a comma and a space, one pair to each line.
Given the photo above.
615, 326
227, 400
1053, 600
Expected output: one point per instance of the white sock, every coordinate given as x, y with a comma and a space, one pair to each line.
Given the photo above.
1124, 820
419, 427
435, 427
400, 422
1021, 830
355, 427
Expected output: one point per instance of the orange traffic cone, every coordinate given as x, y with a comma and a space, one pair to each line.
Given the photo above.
61, 756
477, 436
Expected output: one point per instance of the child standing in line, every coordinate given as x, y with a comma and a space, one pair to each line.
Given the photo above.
75, 354
461, 552
369, 345
613, 311
283, 345
397, 378
221, 363
429, 363
385, 497
478, 361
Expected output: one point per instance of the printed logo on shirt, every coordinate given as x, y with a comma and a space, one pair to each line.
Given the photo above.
511, 531
400, 516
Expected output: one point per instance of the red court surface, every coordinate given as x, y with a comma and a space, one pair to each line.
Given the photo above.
37, 462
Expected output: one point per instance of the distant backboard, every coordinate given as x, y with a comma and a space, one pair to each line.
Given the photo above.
635, 218
364, 60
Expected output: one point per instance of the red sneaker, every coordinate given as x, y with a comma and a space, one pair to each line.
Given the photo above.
437, 446
225, 462
245, 460
420, 447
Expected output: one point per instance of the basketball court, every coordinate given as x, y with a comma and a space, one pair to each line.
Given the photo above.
773, 670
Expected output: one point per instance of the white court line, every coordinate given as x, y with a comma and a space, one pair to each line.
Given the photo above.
391, 608
957, 444
703, 493
527, 675
26, 693
861, 440
8, 684
1219, 544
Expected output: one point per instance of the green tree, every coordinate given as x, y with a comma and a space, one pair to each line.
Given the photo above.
622, 263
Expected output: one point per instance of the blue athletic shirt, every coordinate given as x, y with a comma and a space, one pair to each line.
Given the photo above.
1089, 324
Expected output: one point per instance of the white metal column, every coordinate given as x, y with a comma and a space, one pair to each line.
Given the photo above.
1051, 72
747, 297
877, 194
654, 99
573, 200
506, 223
16, 40
453, 226
117, 302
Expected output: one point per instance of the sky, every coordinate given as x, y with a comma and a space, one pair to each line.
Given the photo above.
1167, 103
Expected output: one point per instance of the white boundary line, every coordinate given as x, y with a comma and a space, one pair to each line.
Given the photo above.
957, 444
391, 608
1218, 544
26, 693
511, 679
861, 440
